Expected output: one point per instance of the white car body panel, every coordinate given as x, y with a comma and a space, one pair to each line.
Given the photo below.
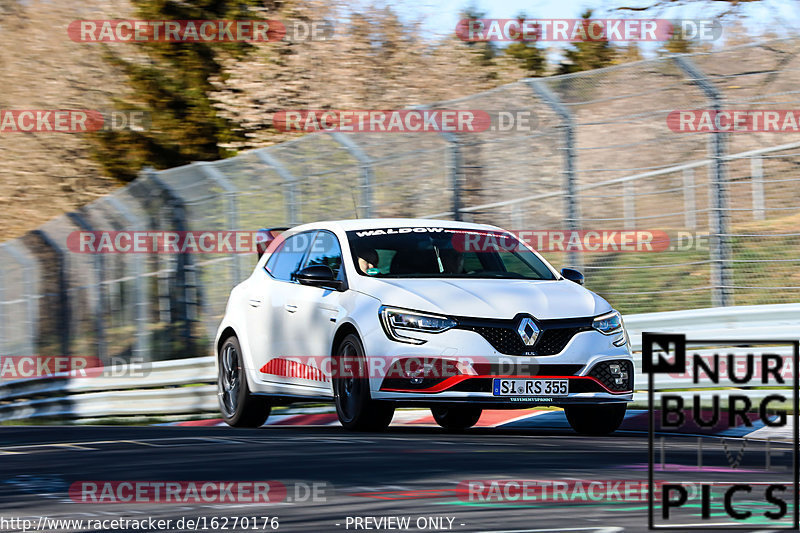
281, 319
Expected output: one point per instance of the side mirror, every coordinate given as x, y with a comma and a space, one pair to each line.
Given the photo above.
573, 275
318, 276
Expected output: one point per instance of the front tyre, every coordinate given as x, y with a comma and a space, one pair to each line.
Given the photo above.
596, 419
456, 418
239, 407
356, 409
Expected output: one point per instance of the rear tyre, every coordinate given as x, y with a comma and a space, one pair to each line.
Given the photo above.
456, 418
239, 407
596, 419
356, 409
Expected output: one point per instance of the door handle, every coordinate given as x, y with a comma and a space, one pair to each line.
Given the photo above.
254, 302
290, 307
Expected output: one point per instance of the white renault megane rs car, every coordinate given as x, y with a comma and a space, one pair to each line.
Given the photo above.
457, 317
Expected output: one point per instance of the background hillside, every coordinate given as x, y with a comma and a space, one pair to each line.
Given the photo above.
209, 102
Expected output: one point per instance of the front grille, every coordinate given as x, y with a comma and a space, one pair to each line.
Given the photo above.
485, 385
473, 385
526, 369
553, 337
504, 340
584, 385
601, 372
552, 341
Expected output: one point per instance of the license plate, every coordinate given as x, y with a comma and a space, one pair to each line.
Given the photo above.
530, 387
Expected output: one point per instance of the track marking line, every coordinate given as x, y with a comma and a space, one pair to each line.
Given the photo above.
139, 443
75, 446
223, 440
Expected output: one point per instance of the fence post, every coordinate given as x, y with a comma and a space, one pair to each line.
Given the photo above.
456, 169
31, 312
5, 338
141, 346
517, 217
97, 296
720, 241
757, 179
64, 314
629, 204
689, 201
143, 192
231, 211
186, 315
5, 343
571, 201
289, 182
366, 171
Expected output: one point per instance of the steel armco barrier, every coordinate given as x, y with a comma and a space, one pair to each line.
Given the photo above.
186, 387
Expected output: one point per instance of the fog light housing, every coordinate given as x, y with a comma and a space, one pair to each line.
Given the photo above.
419, 372
619, 375
417, 375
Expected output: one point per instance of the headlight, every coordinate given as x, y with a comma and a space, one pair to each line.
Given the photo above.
395, 321
609, 323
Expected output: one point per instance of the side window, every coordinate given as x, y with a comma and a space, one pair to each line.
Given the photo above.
472, 262
326, 251
514, 263
523, 262
285, 261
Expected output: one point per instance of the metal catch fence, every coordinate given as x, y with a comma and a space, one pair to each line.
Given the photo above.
599, 156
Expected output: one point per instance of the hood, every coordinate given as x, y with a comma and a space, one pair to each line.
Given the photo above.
487, 298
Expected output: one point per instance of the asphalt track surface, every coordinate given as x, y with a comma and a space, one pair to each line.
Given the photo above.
407, 472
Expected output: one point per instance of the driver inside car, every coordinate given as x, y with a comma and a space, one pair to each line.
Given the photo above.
367, 258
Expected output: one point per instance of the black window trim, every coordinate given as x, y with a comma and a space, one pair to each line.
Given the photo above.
342, 276
547, 266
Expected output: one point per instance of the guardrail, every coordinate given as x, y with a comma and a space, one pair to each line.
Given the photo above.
751, 322
166, 388
185, 387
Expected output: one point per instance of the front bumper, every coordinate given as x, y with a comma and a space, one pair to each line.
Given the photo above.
478, 363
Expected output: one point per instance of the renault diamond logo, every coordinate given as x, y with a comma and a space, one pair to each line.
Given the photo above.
528, 331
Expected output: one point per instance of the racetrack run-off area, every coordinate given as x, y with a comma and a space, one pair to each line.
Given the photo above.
413, 471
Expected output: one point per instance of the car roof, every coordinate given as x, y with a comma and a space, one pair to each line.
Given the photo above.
375, 223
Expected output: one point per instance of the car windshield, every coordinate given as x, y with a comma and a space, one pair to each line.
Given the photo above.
429, 252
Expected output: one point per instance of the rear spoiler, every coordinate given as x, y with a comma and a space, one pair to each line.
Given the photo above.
265, 236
